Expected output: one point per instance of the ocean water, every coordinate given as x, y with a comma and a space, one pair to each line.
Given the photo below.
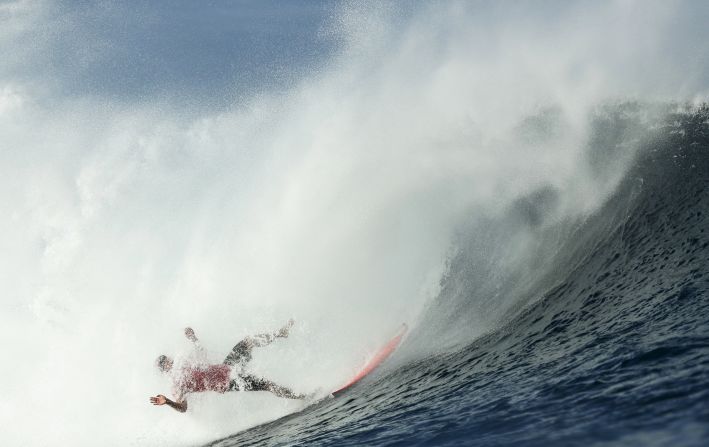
524, 184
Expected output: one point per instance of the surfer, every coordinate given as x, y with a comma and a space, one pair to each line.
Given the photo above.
196, 378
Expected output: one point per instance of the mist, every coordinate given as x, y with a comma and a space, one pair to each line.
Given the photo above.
331, 194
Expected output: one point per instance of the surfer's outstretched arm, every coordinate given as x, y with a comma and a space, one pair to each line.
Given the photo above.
260, 340
189, 333
179, 405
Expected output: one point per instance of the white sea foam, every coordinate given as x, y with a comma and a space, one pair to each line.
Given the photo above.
333, 203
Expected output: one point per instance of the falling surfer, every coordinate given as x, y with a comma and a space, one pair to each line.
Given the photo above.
226, 376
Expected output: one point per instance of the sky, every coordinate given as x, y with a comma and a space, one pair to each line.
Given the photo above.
214, 50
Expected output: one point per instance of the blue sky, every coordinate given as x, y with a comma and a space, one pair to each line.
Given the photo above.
218, 51
187, 48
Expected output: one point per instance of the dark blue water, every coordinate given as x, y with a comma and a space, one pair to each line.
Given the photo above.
609, 341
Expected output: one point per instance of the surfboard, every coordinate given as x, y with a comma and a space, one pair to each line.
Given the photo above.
382, 354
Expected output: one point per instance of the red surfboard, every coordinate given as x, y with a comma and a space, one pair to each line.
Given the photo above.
381, 355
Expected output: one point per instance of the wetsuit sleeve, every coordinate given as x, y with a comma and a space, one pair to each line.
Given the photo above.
179, 405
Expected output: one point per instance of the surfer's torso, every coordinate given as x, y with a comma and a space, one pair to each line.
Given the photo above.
198, 378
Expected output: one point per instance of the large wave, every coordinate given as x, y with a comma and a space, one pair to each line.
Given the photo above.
435, 139
610, 349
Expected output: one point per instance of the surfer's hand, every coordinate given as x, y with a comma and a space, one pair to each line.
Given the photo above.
285, 330
158, 400
189, 333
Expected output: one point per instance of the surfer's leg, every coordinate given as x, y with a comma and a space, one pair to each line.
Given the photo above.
260, 340
240, 353
253, 383
235, 385
265, 339
282, 391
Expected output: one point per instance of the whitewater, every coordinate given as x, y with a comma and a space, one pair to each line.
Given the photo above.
525, 185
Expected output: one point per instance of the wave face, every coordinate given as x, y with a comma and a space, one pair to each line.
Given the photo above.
614, 350
528, 194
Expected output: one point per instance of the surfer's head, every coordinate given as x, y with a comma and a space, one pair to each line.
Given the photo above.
164, 363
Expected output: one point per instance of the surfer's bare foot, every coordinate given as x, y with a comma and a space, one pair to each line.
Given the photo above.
285, 330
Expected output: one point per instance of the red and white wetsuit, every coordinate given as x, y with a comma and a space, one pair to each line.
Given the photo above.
196, 378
